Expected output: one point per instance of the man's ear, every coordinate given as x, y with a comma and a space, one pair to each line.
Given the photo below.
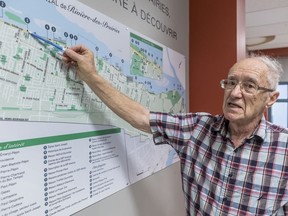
272, 98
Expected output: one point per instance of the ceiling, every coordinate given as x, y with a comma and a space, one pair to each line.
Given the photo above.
266, 24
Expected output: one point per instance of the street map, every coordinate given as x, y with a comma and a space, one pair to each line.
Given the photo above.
38, 92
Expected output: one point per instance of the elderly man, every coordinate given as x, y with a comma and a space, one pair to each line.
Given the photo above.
231, 164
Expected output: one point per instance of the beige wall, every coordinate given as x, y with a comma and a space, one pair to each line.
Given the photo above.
284, 62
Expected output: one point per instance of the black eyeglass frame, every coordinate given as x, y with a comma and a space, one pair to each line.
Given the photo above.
257, 87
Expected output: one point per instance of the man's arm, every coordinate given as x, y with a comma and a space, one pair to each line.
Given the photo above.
83, 60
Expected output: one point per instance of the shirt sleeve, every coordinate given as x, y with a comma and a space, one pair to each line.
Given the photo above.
285, 208
174, 130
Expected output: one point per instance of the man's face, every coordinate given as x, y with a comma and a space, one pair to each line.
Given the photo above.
239, 106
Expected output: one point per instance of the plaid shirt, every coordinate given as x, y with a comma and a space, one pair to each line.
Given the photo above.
219, 179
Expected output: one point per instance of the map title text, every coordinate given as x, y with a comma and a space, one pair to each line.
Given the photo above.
148, 17
74, 10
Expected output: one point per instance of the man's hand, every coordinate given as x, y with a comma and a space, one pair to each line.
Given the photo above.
82, 59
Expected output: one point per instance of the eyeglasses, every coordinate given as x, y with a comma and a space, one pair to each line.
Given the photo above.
247, 86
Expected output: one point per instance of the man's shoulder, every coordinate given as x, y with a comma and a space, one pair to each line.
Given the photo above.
186, 115
274, 128
208, 117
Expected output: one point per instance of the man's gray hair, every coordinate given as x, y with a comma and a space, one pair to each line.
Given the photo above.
274, 67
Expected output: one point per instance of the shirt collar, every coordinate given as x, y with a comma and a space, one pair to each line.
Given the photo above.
221, 126
260, 131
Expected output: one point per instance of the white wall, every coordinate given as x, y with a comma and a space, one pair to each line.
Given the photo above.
160, 194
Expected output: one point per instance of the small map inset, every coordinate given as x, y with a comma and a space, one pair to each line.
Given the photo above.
146, 58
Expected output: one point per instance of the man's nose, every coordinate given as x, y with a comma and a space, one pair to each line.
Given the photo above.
237, 90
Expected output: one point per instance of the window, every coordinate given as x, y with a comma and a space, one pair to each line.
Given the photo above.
278, 113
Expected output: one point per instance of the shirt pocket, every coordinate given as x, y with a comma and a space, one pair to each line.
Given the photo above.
260, 194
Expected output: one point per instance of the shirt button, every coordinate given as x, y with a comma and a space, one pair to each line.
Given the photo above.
225, 199
230, 175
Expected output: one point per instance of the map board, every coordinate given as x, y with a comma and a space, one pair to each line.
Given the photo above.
61, 148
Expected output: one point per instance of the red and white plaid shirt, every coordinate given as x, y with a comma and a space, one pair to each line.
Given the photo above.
219, 179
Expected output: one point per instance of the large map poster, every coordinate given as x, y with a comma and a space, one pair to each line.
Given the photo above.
61, 148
